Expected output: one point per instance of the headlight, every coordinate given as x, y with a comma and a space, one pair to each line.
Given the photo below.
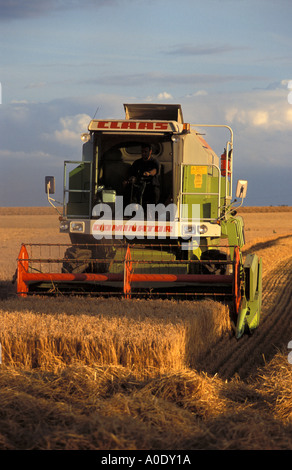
189, 229
77, 227
202, 229
64, 226
85, 137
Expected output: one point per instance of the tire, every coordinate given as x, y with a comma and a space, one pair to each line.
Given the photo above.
212, 267
77, 260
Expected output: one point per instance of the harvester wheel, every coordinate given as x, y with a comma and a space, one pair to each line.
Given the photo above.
213, 267
77, 260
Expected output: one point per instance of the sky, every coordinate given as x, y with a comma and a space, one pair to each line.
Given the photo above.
225, 61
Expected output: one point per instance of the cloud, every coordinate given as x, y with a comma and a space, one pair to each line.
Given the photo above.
160, 78
163, 96
23, 155
269, 111
261, 121
279, 85
33, 85
195, 50
13, 9
71, 128
36, 138
198, 93
253, 117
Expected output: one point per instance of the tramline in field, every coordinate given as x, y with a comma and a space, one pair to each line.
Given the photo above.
149, 212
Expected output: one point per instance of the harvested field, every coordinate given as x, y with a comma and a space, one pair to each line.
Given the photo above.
95, 374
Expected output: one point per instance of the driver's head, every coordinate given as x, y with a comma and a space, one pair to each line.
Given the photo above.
146, 151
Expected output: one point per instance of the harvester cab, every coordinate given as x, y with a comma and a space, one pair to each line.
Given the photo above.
181, 238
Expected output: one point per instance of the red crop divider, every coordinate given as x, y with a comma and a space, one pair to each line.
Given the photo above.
22, 269
128, 273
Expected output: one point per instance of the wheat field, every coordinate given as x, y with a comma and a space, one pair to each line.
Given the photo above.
106, 374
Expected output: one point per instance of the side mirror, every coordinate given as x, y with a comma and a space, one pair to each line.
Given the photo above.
50, 184
241, 188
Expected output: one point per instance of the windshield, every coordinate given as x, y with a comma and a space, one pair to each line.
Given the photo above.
116, 155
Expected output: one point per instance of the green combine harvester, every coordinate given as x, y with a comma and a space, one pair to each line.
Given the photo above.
169, 231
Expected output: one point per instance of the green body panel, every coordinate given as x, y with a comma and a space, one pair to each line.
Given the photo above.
233, 229
208, 206
251, 267
197, 180
250, 311
202, 186
148, 261
251, 274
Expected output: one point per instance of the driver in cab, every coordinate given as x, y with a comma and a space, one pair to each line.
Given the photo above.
144, 178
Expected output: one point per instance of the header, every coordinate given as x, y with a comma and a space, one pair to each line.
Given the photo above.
127, 125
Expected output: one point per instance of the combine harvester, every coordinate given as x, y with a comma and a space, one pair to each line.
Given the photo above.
188, 245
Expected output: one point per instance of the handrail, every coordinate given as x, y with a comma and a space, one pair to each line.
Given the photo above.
229, 147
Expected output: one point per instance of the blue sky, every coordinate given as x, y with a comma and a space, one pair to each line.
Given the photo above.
225, 61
